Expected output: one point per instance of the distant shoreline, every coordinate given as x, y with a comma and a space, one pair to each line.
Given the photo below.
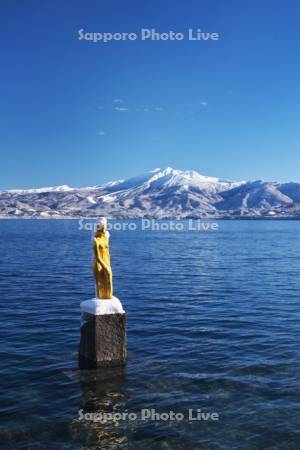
156, 219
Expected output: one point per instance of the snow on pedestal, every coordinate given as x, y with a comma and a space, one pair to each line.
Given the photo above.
102, 334
103, 306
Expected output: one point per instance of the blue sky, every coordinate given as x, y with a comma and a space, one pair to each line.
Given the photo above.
81, 113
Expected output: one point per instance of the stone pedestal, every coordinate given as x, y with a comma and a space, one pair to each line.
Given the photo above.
102, 334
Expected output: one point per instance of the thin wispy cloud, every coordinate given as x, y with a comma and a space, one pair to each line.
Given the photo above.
121, 108
118, 104
101, 133
142, 110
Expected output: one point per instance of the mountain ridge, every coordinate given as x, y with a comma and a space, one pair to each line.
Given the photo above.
160, 194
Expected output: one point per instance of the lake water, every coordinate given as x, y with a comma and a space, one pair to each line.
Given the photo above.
213, 323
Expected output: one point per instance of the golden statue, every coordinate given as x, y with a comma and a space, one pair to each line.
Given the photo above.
102, 267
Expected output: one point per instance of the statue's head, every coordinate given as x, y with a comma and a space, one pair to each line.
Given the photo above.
101, 227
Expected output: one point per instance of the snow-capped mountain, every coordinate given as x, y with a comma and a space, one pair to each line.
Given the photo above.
170, 178
62, 188
160, 193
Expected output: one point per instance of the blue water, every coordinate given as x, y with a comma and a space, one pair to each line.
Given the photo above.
213, 323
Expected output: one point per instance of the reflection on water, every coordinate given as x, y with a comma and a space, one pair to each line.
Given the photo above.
103, 394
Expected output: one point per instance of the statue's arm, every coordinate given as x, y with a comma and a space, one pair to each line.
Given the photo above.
95, 250
103, 265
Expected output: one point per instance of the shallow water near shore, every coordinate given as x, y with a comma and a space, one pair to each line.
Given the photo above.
213, 324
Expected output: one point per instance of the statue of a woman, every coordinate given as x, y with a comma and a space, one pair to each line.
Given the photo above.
102, 267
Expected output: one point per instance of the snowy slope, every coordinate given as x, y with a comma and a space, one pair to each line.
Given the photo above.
160, 193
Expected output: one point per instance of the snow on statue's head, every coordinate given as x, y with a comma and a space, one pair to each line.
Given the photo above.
102, 227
